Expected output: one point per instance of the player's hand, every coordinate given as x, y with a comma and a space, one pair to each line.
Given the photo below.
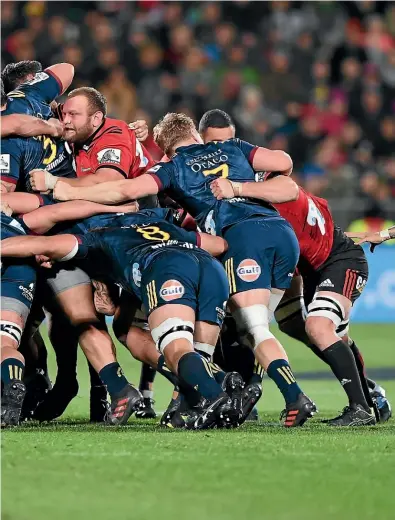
222, 189
63, 191
365, 236
57, 127
141, 129
131, 207
42, 181
44, 261
6, 208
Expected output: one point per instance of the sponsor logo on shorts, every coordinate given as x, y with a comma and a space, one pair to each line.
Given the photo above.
171, 290
326, 283
248, 270
27, 292
361, 282
109, 155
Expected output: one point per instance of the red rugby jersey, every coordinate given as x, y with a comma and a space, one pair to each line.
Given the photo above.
113, 145
313, 224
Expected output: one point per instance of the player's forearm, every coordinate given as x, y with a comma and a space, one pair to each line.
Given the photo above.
45, 218
25, 126
55, 247
272, 161
277, 190
82, 182
21, 202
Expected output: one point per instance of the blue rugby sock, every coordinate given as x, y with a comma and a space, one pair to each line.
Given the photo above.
195, 371
113, 377
11, 368
281, 373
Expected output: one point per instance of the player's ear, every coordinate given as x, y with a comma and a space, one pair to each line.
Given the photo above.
97, 119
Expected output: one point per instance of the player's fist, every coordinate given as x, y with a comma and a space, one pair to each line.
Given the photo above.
140, 128
57, 127
63, 191
222, 189
41, 180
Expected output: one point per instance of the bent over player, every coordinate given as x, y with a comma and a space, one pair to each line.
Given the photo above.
263, 250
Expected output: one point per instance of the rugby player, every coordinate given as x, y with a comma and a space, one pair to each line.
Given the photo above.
104, 149
334, 272
183, 289
258, 270
72, 287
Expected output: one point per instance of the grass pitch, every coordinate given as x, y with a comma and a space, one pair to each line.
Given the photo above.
73, 470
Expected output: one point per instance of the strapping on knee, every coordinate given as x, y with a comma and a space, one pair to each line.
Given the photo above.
170, 330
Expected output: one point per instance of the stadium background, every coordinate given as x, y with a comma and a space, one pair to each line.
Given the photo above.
314, 78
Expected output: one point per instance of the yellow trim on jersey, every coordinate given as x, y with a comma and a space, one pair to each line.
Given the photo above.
231, 275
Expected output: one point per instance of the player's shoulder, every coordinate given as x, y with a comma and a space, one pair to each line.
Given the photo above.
111, 131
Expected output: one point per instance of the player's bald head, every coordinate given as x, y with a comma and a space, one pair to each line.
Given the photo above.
216, 125
172, 129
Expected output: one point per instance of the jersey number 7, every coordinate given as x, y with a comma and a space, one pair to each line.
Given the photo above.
221, 171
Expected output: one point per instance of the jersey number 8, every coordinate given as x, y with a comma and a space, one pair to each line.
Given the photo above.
153, 233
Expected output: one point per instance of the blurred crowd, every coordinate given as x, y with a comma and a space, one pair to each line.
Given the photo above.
314, 78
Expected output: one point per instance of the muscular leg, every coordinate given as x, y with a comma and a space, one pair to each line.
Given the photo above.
179, 354
321, 330
251, 312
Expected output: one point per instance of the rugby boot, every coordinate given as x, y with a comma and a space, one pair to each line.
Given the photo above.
218, 412
147, 411
11, 402
128, 401
297, 413
37, 387
251, 395
353, 415
382, 404
98, 404
233, 385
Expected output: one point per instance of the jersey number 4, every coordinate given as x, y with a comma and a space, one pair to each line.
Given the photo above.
314, 217
221, 171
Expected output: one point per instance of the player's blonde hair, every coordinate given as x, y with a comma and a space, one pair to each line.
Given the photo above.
171, 129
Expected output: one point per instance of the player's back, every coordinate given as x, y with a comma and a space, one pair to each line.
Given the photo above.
34, 97
122, 250
194, 167
313, 225
20, 155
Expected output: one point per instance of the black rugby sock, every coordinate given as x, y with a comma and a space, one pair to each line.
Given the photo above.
113, 377
342, 362
147, 377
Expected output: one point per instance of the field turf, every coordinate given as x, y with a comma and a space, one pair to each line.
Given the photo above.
73, 470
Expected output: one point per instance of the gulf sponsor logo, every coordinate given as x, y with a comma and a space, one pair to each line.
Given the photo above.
171, 290
248, 270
